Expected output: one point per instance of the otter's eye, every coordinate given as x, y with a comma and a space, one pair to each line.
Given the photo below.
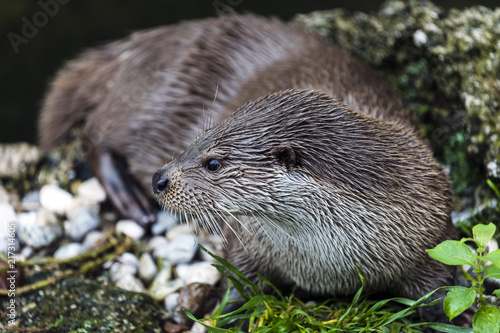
213, 165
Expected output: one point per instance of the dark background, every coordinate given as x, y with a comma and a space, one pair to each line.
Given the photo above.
81, 24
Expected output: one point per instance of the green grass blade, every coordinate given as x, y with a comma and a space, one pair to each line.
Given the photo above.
354, 301
233, 269
273, 287
446, 328
493, 187
210, 328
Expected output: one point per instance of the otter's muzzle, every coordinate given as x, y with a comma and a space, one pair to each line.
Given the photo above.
161, 182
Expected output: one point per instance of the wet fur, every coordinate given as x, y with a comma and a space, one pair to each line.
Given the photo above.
325, 173
360, 192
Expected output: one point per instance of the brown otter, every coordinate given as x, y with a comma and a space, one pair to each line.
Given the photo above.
312, 190
140, 101
324, 174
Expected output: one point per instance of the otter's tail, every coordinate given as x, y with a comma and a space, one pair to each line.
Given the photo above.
76, 91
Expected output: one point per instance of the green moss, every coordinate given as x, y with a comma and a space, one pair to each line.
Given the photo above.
84, 305
447, 67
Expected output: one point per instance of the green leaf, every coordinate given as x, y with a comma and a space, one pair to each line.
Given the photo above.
457, 301
494, 257
483, 233
486, 319
497, 293
453, 253
492, 271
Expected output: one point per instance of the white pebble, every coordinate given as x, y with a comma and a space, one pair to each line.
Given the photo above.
7, 215
161, 281
128, 258
92, 191
171, 302
156, 242
55, 199
69, 251
31, 201
419, 38
84, 221
181, 229
160, 291
92, 238
130, 283
147, 267
164, 222
201, 272
197, 328
26, 252
38, 229
118, 270
130, 228
493, 169
178, 251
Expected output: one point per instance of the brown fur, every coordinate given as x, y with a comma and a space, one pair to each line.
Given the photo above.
360, 192
325, 173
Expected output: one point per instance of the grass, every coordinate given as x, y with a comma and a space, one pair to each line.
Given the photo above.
276, 313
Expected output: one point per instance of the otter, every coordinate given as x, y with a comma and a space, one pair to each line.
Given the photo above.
314, 165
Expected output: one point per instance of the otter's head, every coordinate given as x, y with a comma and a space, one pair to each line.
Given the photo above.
249, 164
281, 156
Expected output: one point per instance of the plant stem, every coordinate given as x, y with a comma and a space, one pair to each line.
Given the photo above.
479, 270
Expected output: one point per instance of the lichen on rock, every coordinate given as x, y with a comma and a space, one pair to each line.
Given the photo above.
447, 67
78, 303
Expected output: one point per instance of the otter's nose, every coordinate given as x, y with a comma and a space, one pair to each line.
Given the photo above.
161, 182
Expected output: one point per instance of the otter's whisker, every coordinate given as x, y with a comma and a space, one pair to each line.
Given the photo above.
270, 235
273, 223
211, 221
231, 228
234, 217
268, 223
217, 228
213, 106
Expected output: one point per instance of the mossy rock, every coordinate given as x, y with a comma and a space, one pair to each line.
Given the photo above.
83, 305
447, 67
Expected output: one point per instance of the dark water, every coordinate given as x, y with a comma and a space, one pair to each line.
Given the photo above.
39, 36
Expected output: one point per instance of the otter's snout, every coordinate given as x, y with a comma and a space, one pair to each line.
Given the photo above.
161, 182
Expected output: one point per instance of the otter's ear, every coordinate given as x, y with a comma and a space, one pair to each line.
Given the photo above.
285, 155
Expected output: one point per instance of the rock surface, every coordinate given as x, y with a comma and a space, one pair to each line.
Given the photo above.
92, 191
38, 229
445, 64
147, 267
84, 221
130, 228
86, 303
69, 251
54, 199
181, 249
